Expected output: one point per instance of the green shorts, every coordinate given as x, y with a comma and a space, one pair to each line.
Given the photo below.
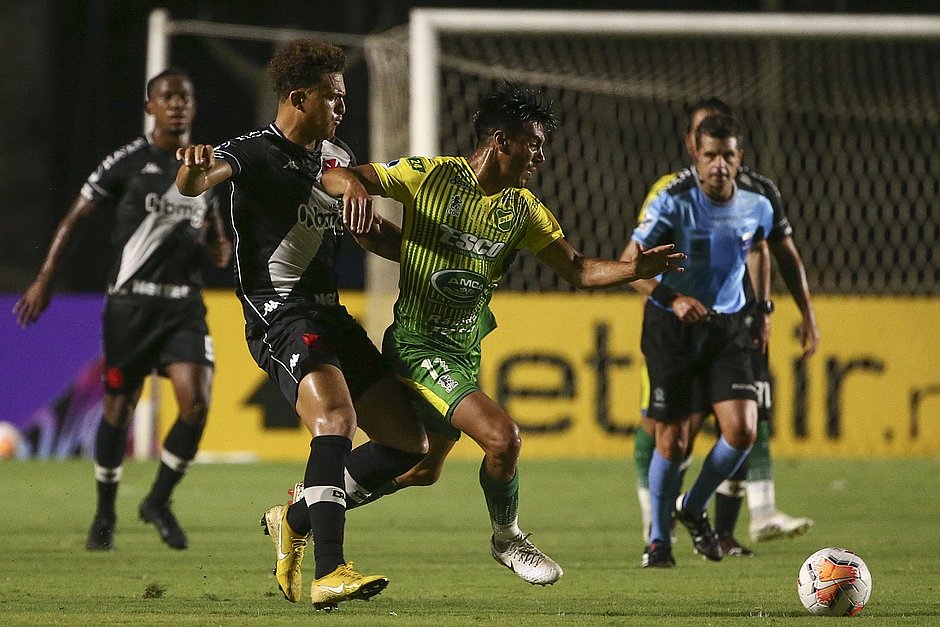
437, 380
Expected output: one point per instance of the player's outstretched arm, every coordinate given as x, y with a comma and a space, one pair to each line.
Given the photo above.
356, 186
200, 170
793, 272
36, 297
592, 272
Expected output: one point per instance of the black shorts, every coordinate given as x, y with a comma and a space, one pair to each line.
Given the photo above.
691, 366
140, 336
295, 344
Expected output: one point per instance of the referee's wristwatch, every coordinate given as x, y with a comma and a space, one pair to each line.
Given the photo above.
764, 306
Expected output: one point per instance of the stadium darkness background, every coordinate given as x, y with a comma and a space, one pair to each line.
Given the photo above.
72, 92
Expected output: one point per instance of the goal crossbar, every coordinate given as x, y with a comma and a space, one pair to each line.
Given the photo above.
426, 26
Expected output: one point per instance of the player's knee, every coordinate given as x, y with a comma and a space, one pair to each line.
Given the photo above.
742, 436
195, 412
506, 444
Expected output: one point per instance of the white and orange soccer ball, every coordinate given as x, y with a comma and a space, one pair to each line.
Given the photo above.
10, 440
834, 582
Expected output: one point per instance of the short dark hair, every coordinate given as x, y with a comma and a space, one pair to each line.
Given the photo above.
302, 63
170, 71
509, 107
718, 126
712, 103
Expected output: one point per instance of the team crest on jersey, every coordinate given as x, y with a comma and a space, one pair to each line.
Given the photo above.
504, 218
511, 203
416, 164
455, 204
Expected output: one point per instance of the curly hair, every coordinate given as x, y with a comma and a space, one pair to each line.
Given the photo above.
302, 63
509, 107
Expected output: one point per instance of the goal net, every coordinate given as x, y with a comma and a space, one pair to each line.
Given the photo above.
841, 111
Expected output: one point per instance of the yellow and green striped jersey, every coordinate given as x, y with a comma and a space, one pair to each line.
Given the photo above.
457, 243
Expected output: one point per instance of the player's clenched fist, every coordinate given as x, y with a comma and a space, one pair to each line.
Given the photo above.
198, 156
200, 170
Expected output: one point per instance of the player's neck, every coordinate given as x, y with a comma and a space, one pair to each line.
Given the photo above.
295, 130
485, 165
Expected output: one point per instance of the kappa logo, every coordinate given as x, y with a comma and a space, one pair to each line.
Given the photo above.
151, 168
293, 361
291, 165
270, 306
329, 164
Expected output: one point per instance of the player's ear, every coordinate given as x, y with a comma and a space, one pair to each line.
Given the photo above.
501, 139
296, 98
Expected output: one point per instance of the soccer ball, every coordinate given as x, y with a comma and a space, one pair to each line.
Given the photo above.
834, 582
9, 440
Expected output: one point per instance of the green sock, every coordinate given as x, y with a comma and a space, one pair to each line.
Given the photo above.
759, 457
643, 445
502, 499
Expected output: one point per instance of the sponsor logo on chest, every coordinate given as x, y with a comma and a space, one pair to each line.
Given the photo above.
459, 287
176, 208
468, 243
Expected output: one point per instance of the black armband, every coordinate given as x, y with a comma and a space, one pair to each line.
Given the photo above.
664, 295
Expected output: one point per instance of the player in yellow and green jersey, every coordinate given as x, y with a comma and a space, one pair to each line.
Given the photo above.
464, 221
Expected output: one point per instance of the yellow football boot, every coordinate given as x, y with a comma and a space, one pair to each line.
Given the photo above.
290, 547
344, 584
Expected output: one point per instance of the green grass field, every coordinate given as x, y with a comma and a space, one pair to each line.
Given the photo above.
433, 545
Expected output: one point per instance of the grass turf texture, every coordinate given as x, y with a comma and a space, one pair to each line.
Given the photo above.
433, 545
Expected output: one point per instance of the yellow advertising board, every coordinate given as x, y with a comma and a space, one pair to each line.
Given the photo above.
567, 367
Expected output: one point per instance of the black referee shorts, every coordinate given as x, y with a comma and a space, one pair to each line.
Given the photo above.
691, 366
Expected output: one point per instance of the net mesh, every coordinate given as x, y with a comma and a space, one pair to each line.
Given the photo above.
847, 128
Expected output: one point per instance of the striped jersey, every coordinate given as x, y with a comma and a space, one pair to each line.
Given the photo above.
158, 231
717, 237
457, 243
287, 230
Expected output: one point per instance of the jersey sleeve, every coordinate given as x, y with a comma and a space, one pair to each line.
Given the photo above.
781, 227
543, 228
658, 219
234, 153
106, 183
401, 178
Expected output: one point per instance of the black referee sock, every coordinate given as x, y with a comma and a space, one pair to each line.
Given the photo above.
179, 450
326, 500
110, 443
371, 466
